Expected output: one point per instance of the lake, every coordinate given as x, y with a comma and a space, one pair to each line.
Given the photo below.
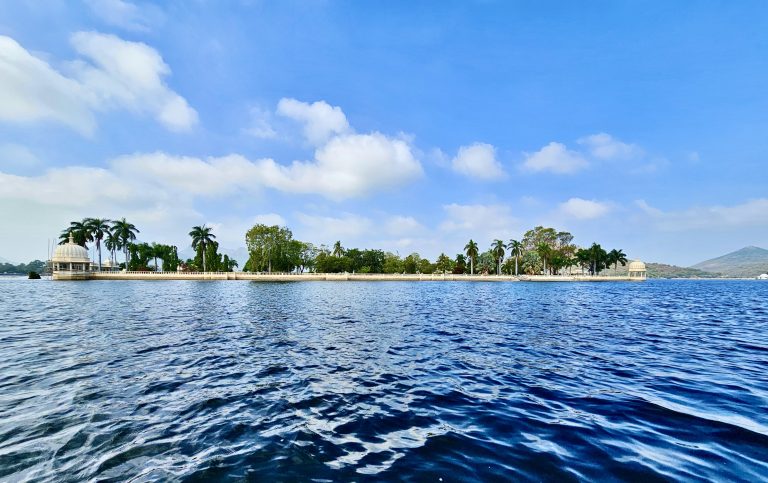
428, 381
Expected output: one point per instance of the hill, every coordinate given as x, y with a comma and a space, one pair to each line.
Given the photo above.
662, 270
747, 262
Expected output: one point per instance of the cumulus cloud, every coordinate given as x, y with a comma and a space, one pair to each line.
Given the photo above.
478, 220
111, 74
320, 119
261, 125
327, 229
555, 158
582, 209
399, 225
478, 161
605, 147
751, 213
125, 15
348, 166
270, 219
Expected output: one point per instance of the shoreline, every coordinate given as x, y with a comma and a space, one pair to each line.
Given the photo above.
332, 277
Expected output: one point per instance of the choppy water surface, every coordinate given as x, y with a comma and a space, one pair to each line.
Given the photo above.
359, 381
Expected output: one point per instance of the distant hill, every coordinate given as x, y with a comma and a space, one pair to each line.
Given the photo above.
3, 260
662, 270
747, 262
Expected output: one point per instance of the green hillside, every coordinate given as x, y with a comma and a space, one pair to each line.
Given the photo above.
662, 270
747, 262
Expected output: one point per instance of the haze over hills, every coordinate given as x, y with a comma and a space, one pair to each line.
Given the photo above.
747, 262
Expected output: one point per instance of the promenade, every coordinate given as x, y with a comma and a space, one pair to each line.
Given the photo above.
336, 277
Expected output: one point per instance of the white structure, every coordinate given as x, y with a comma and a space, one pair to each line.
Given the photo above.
70, 261
763, 276
637, 270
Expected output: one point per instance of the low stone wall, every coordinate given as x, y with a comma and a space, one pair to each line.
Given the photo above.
284, 277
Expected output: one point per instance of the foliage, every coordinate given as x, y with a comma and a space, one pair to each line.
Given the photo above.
22, 268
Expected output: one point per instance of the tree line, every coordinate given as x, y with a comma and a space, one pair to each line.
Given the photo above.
541, 250
120, 236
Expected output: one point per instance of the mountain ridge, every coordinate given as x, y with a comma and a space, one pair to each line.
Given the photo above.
749, 261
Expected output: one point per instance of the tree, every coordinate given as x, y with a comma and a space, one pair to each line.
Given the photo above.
79, 231
544, 251
112, 244
125, 233
617, 256
444, 263
272, 247
498, 251
460, 265
515, 250
338, 250
471, 250
201, 237
97, 229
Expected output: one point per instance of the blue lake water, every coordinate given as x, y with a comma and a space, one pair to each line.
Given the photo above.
381, 381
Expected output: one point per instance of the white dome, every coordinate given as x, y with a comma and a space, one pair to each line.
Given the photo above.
70, 252
636, 266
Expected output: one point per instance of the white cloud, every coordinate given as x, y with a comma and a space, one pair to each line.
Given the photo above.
347, 228
751, 213
30, 90
125, 15
225, 175
112, 74
17, 157
270, 219
479, 221
320, 119
261, 125
478, 161
582, 209
347, 166
605, 147
555, 158
403, 225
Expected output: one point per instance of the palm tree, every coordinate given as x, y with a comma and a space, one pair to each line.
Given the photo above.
498, 251
80, 233
616, 257
111, 243
338, 250
471, 251
97, 229
125, 233
515, 250
201, 237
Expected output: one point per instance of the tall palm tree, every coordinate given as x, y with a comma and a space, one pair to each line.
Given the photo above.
125, 233
97, 228
201, 237
471, 251
498, 251
338, 250
616, 257
111, 243
515, 250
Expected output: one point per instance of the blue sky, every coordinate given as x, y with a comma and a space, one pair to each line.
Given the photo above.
407, 126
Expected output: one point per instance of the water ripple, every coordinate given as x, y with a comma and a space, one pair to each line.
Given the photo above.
205, 381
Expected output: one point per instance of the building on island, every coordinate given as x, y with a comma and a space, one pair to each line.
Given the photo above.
637, 270
70, 261
764, 276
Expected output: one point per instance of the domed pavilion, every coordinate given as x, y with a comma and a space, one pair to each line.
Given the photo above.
637, 270
70, 261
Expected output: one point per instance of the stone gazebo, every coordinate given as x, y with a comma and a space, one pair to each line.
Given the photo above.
70, 261
637, 270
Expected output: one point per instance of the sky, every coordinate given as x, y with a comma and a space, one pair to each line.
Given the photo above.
405, 126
